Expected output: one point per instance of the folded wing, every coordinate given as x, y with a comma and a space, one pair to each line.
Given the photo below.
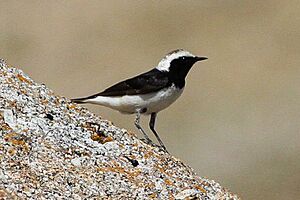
148, 82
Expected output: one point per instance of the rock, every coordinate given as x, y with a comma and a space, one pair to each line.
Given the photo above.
54, 149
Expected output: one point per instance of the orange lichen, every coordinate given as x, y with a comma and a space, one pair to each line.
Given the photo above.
148, 154
169, 182
9, 80
107, 139
3, 194
205, 183
11, 151
153, 196
171, 197
100, 138
22, 78
96, 137
111, 169
198, 187
135, 144
25, 130
162, 170
23, 91
71, 106
16, 140
44, 101
136, 172
10, 136
149, 185
13, 103
5, 127
121, 170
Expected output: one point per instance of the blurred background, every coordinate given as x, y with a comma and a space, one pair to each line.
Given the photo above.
238, 121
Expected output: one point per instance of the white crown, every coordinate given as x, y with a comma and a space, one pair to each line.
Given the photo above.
164, 64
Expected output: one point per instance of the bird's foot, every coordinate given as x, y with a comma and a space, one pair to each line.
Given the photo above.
149, 142
163, 148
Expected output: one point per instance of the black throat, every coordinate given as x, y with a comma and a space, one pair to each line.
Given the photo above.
179, 69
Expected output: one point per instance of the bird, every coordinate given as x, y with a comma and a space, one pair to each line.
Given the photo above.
150, 92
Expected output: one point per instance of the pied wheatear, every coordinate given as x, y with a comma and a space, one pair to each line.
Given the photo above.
150, 92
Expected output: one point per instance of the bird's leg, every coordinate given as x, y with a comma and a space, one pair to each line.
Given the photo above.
152, 124
137, 124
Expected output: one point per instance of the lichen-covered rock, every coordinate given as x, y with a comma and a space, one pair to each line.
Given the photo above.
51, 148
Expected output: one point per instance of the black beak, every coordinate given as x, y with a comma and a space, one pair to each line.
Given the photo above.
200, 58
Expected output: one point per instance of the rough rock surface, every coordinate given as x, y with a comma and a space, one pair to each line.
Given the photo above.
51, 148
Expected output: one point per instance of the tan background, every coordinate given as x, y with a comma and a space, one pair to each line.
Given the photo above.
238, 121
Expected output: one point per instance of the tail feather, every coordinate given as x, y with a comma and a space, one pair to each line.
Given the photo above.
80, 100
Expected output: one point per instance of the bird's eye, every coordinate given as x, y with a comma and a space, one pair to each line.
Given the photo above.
183, 58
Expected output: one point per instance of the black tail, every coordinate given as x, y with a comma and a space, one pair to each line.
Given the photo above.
80, 100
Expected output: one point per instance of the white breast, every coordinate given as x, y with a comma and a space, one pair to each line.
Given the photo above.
153, 102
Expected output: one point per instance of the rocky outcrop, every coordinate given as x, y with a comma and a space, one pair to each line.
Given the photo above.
51, 148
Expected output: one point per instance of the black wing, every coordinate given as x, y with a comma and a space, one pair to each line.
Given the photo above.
148, 82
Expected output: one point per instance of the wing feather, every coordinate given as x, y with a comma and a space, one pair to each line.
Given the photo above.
148, 82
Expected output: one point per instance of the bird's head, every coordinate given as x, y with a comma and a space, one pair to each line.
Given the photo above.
178, 62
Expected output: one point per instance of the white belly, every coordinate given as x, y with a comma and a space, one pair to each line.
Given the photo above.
153, 102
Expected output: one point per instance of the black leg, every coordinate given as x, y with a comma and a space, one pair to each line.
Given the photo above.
152, 124
137, 124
